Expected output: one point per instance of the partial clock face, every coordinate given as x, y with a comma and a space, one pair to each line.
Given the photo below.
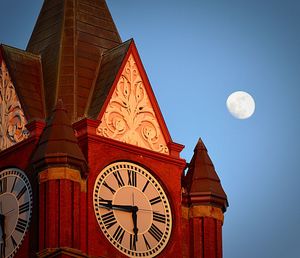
132, 210
15, 209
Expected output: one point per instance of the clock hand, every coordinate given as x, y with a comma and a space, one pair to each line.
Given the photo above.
9, 212
149, 210
110, 206
135, 228
115, 207
133, 198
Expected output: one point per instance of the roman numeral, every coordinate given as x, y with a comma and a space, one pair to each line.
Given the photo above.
132, 177
13, 242
146, 243
155, 200
155, 232
109, 219
13, 186
20, 194
145, 187
109, 188
21, 225
119, 178
133, 240
119, 234
24, 207
2, 250
159, 217
3, 185
100, 199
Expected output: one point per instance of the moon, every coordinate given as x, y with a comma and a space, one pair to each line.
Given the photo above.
240, 104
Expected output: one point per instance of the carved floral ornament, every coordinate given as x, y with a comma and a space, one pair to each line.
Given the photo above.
12, 119
129, 116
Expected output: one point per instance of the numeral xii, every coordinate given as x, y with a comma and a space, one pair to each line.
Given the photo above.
132, 178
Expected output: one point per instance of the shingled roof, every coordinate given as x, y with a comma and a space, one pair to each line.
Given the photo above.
71, 36
202, 182
110, 66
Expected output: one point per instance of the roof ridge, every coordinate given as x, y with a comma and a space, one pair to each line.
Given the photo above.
22, 50
116, 47
106, 77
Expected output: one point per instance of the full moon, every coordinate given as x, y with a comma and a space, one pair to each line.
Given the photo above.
240, 104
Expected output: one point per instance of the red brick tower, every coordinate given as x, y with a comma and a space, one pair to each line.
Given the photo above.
87, 165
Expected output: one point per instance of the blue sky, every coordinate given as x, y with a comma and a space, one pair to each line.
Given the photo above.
196, 53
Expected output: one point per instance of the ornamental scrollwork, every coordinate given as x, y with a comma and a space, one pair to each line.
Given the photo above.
129, 116
12, 119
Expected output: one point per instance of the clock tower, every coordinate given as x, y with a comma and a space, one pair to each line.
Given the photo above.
87, 164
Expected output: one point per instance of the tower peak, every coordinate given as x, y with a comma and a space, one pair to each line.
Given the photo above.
71, 36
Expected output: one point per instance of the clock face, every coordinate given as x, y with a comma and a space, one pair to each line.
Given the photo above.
15, 210
132, 210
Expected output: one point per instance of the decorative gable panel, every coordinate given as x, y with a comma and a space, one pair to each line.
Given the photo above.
12, 119
129, 116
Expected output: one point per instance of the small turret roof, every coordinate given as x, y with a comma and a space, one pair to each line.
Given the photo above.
202, 182
58, 145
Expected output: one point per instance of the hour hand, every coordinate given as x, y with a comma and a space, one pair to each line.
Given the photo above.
135, 228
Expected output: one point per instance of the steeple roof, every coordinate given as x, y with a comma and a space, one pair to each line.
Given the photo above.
202, 182
71, 36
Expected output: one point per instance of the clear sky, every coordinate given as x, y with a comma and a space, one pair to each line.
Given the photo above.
197, 52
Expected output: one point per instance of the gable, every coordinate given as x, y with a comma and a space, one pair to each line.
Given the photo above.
130, 116
12, 118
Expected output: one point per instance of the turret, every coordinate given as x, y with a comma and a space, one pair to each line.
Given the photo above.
61, 169
204, 202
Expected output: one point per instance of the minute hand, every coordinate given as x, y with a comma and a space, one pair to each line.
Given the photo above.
111, 206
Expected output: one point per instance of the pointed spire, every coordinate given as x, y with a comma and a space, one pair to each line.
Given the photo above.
71, 36
202, 182
58, 146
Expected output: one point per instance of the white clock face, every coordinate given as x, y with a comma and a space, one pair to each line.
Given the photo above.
15, 210
132, 210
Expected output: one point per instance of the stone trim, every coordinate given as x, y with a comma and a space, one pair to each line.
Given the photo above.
63, 173
202, 211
